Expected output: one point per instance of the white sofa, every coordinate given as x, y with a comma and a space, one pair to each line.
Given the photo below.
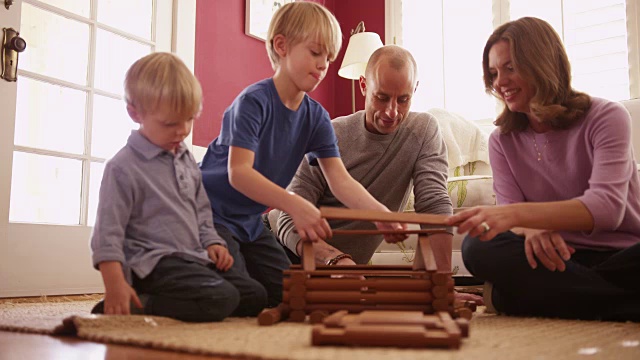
472, 185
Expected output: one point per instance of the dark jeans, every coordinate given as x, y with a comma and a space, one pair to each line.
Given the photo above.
263, 260
190, 291
595, 285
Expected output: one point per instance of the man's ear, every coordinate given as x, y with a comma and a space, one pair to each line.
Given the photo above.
280, 45
135, 116
363, 85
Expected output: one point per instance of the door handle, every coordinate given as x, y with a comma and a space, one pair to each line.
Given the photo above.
12, 44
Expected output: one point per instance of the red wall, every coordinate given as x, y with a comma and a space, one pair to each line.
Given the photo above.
227, 60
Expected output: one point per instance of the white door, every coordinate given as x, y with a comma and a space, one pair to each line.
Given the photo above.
59, 123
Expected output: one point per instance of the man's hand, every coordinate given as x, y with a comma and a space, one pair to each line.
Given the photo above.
117, 299
220, 256
392, 238
549, 247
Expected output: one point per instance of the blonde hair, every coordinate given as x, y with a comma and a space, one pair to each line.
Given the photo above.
162, 80
538, 56
302, 20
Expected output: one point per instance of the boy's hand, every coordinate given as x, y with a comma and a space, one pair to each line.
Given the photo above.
308, 222
220, 255
392, 238
117, 299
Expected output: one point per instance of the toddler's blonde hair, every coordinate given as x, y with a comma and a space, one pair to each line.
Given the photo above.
302, 20
162, 81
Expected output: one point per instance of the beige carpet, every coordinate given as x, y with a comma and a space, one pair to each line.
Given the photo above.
492, 337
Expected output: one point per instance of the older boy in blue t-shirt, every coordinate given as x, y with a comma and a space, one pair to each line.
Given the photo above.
265, 134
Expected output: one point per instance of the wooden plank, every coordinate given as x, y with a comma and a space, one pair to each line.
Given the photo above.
389, 232
373, 215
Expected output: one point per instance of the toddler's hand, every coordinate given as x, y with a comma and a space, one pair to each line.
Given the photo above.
220, 255
117, 299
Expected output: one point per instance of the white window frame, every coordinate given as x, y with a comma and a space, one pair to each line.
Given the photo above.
500, 9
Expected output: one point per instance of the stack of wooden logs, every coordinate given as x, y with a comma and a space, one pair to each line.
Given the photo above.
391, 328
376, 291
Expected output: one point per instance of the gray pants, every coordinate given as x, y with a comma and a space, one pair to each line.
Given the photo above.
263, 259
190, 291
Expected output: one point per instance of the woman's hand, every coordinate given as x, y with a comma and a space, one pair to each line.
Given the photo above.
484, 222
549, 247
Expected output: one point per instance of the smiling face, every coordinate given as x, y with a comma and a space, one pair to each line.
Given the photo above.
506, 81
162, 128
388, 91
305, 64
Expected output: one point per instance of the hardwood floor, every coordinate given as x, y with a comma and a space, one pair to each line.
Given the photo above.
20, 346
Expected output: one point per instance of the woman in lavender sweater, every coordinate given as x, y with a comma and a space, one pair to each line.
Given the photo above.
565, 238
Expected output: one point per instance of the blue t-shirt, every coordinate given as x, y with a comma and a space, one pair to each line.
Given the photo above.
257, 120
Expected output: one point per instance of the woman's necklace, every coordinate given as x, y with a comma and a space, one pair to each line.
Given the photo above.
535, 145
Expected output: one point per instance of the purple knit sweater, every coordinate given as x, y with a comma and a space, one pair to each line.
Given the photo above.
591, 161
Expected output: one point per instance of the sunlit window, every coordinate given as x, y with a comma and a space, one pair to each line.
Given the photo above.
447, 38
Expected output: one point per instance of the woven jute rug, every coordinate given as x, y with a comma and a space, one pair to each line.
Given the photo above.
492, 337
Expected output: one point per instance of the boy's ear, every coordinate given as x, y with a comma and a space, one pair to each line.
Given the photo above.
280, 45
133, 113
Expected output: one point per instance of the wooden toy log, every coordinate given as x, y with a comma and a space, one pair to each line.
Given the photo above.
373, 215
358, 308
342, 319
308, 258
298, 267
372, 272
357, 297
401, 284
413, 336
391, 232
273, 315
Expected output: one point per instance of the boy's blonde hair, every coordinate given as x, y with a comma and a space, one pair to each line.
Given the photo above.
161, 79
302, 20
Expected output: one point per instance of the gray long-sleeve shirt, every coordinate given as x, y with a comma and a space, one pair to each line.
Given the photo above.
387, 166
152, 204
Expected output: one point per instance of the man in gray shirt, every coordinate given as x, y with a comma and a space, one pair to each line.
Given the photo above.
387, 149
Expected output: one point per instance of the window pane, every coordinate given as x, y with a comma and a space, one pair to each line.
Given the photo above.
595, 36
547, 10
114, 55
133, 16
596, 42
35, 125
82, 7
449, 60
45, 189
111, 126
464, 88
64, 56
94, 191
422, 35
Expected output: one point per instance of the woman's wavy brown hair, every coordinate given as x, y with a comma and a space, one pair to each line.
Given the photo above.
538, 56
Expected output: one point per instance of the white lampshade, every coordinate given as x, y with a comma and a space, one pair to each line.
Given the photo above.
361, 46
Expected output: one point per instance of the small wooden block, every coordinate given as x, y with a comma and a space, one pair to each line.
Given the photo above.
308, 258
